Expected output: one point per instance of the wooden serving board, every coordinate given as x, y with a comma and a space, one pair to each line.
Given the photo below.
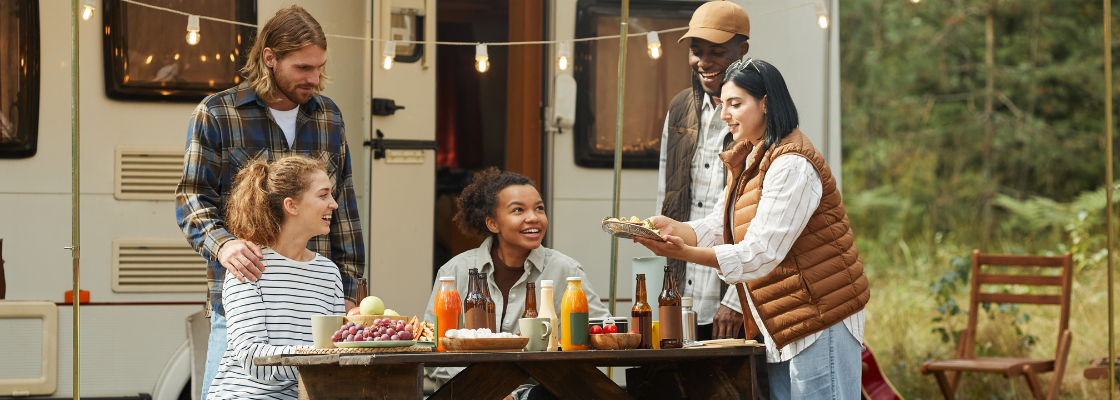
489, 345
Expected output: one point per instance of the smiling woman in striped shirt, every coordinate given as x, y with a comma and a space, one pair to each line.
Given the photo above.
781, 229
280, 206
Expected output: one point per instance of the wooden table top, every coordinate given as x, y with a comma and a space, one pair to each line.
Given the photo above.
606, 358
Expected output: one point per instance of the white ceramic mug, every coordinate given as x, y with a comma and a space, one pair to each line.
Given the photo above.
537, 330
323, 327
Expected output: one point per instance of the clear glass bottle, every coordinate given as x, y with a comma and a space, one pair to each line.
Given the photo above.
448, 307
688, 321
573, 318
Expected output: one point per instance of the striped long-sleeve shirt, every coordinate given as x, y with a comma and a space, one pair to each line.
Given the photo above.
229, 130
791, 191
273, 316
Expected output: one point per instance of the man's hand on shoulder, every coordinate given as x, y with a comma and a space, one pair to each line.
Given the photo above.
242, 258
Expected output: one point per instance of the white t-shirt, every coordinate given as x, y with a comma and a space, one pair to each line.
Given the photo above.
287, 122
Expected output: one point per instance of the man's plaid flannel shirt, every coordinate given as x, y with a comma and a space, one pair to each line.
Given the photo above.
232, 128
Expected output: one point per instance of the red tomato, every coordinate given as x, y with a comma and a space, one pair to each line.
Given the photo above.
353, 311
610, 328
596, 329
632, 332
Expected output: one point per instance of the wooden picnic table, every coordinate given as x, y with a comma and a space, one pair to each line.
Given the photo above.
700, 373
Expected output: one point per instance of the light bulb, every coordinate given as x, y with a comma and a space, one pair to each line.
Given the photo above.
562, 57
192, 30
654, 44
822, 14
149, 60
87, 12
482, 58
389, 53
915, 1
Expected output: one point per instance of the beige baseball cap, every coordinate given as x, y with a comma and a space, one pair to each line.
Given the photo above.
718, 22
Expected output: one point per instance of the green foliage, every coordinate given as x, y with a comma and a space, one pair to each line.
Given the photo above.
929, 174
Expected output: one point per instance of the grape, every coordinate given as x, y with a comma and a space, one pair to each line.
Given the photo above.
406, 335
350, 338
349, 324
390, 331
384, 337
409, 328
359, 326
395, 337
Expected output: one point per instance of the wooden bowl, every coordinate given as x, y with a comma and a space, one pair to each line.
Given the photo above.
367, 320
489, 345
616, 341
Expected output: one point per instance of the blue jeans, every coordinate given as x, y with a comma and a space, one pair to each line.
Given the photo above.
215, 349
828, 369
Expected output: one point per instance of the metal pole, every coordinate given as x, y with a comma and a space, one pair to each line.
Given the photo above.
1108, 179
622, 29
75, 186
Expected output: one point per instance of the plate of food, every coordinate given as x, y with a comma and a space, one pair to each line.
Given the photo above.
625, 228
481, 341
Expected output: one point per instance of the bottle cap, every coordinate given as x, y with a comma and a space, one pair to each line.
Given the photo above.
546, 283
574, 278
686, 302
447, 279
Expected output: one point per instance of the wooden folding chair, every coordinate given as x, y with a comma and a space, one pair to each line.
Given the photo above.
1029, 368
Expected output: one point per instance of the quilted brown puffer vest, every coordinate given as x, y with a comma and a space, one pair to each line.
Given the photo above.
821, 280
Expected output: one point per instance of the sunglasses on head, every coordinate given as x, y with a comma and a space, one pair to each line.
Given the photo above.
742, 65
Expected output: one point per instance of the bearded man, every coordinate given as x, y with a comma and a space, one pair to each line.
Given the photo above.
276, 111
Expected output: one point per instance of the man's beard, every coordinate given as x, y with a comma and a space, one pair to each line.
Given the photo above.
289, 89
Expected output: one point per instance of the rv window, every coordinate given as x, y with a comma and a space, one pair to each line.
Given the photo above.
407, 26
650, 83
19, 78
147, 55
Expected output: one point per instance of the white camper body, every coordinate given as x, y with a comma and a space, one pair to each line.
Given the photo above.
135, 340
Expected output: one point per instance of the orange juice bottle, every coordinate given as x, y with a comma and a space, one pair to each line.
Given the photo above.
573, 317
447, 309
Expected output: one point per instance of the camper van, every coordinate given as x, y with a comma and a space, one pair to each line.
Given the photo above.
417, 130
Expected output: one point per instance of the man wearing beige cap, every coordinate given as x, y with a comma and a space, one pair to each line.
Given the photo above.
690, 173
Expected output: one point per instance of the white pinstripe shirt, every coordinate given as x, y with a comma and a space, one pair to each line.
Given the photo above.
273, 316
702, 283
791, 192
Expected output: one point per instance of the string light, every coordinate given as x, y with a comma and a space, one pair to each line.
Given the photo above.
822, 14
562, 56
915, 1
192, 30
389, 54
482, 60
654, 44
88, 11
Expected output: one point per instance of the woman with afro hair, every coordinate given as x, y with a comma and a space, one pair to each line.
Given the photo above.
507, 209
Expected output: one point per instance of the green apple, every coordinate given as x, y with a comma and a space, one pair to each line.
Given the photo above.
391, 312
371, 305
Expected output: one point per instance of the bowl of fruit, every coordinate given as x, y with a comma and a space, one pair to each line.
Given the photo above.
371, 309
380, 333
608, 338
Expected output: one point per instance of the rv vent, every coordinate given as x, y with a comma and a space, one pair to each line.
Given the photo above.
157, 265
147, 173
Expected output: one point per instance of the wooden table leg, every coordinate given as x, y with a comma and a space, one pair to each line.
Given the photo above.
574, 380
400, 381
483, 381
654, 381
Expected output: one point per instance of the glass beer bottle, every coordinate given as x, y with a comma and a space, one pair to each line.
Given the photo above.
474, 306
491, 308
669, 312
641, 316
530, 301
